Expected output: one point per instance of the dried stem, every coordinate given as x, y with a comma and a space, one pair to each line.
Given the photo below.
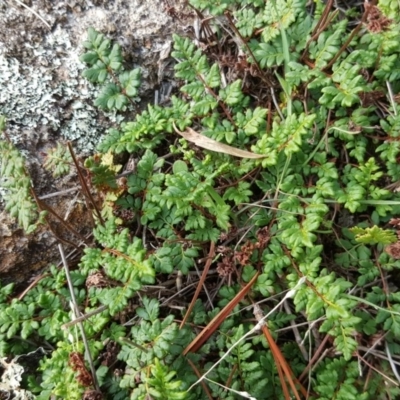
77, 314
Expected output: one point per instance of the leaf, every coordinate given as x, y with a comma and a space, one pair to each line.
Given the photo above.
58, 160
150, 309
374, 235
115, 58
98, 73
232, 94
194, 89
213, 145
268, 55
179, 166
239, 194
130, 81
205, 105
254, 119
213, 78
111, 97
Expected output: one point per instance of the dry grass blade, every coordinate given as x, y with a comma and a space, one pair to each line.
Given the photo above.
76, 312
217, 320
85, 189
33, 12
283, 366
198, 374
201, 282
285, 372
211, 144
33, 284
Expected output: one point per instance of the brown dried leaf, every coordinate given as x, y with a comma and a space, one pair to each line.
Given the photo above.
211, 144
77, 363
395, 222
393, 250
246, 251
92, 395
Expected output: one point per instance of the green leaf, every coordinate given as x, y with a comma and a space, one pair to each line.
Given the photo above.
110, 97
130, 82
268, 55
213, 78
179, 166
150, 309
232, 94
254, 120
374, 235
58, 160
98, 73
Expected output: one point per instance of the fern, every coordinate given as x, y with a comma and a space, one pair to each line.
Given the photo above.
15, 179
58, 160
326, 131
337, 378
374, 235
105, 62
122, 261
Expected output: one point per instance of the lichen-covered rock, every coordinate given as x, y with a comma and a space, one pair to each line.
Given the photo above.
45, 98
42, 92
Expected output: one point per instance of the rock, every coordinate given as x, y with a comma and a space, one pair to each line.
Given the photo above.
45, 99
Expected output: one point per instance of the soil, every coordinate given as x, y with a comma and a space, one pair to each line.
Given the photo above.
46, 100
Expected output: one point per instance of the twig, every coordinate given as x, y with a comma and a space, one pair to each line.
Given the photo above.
379, 354
348, 41
257, 327
314, 358
33, 12
70, 207
321, 25
391, 97
36, 280
198, 374
283, 368
377, 370
204, 286
86, 191
217, 320
392, 365
76, 249
133, 344
43, 206
243, 394
178, 293
276, 104
201, 282
84, 317
245, 44
60, 193
77, 313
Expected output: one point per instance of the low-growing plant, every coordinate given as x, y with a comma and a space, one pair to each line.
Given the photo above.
118, 87
279, 153
16, 183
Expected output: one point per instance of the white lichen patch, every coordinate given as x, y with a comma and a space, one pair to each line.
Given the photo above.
26, 96
42, 92
49, 98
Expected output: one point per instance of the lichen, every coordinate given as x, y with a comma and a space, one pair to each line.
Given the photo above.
49, 101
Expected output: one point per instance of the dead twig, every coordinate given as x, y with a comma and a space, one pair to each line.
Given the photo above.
77, 313
33, 284
210, 257
88, 196
84, 317
219, 318
33, 12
